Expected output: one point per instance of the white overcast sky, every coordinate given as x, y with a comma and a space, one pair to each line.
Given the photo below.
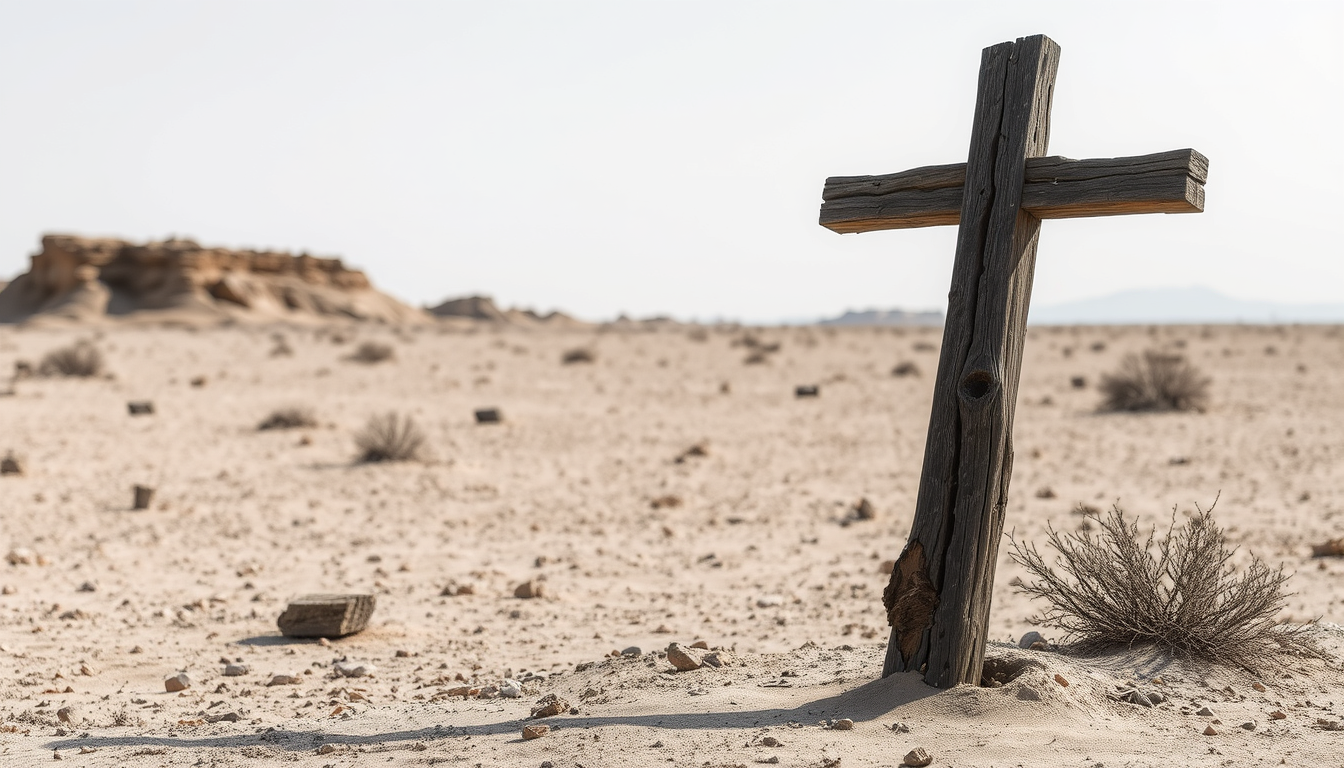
658, 157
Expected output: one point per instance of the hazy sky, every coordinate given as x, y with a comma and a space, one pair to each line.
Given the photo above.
662, 157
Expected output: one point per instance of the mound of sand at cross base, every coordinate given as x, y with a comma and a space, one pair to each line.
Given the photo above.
81, 280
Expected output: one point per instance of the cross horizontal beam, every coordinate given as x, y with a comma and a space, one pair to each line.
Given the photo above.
1052, 188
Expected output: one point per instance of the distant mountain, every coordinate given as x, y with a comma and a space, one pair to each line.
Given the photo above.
886, 317
1180, 305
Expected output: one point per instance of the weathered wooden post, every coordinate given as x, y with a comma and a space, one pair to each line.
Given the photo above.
939, 596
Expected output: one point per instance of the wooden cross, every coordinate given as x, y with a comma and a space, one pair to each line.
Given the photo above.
938, 599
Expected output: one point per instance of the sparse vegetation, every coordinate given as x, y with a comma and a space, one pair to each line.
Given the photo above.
390, 437
1112, 592
289, 418
1154, 381
80, 359
371, 352
578, 355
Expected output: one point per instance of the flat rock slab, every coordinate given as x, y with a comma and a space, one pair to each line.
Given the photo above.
326, 615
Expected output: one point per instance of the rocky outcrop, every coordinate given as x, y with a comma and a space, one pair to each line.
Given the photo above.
483, 308
84, 278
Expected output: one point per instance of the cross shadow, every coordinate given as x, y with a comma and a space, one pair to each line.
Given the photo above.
870, 701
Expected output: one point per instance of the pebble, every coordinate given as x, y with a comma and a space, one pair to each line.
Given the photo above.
530, 589
1030, 639
900, 727
1027, 693
1277, 715
69, 714
549, 705
88, 586
1061, 680
633, 650
770, 741
354, 668
11, 465
917, 758
21, 556
769, 601
235, 670
178, 682
511, 689
684, 659
226, 717
1209, 730
701, 644
535, 731
284, 680
1205, 712
1249, 725
1258, 686
843, 724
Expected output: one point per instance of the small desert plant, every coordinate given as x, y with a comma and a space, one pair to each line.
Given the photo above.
78, 359
289, 418
1112, 592
390, 437
371, 352
578, 355
1155, 381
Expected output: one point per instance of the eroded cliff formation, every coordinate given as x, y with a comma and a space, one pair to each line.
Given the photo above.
86, 278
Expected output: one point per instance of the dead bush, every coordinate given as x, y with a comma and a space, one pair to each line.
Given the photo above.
1112, 592
370, 352
578, 355
79, 359
390, 437
289, 418
1154, 381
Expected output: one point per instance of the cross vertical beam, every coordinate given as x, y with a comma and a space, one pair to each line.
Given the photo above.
939, 598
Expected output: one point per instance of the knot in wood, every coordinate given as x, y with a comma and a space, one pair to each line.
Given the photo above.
978, 385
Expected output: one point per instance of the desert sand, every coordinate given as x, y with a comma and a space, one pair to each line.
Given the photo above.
750, 547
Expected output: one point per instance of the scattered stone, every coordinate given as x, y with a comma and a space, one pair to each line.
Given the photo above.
1061, 680
535, 731
1277, 715
1209, 730
1141, 698
1258, 686
284, 680
143, 495
770, 741
354, 669
510, 689
685, 659
21, 556
87, 586
1045, 492
198, 381
906, 368
864, 510
900, 728
11, 464
178, 682
1078, 382
633, 650
140, 408
223, 717
69, 714
1331, 548
488, 416
1030, 639
843, 724
1204, 712
1249, 725
700, 644
328, 749
530, 589
326, 615
235, 670
807, 390
549, 705
917, 758
1329, 725
698, 450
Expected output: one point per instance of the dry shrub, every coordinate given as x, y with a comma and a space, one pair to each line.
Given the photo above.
78, 359
1112, 592
371, 352
390, 437
289, 418
579, 355
1155, 381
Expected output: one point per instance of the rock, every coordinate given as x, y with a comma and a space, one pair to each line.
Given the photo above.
717, 659
223, 717
1061, 680
11, 465
807, 390
284, 680
1027, 693
140, 408
488, 416
235, 670
1249, 725
633, 650
917, 758
1204, 712
21, 556
770, 741
354, 668
843, 724
864, 510
1258, 686
328, 749
530, 589
1209, 730
549, 705
769, 601
69, 714
1135, 696
1277, 715
510, 689
700, 644
326, 615
87, 586
535, 731
143, 495
684, 659
178, 682
1030, 639
900, 728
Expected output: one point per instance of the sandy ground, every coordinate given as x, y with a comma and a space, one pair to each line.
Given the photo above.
103, 603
